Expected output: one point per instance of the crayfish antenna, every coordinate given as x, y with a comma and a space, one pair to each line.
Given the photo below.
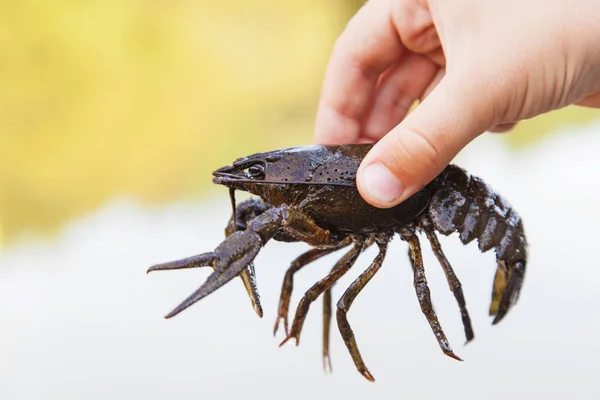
201, 260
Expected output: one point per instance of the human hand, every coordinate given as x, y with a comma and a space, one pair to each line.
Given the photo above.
477, 65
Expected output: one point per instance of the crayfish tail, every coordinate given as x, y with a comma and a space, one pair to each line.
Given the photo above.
510, 295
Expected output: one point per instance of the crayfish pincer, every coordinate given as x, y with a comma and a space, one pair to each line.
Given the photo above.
309, 194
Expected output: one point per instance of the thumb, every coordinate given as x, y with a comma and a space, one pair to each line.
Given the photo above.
418, 149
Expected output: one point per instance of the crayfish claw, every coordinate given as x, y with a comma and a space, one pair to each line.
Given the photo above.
214, 282
248, 277
227, 266
200, 260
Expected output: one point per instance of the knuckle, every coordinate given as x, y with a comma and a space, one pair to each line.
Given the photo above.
417, 154
415, 27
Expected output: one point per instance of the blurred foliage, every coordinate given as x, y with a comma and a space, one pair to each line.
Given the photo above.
144, 98
531, 131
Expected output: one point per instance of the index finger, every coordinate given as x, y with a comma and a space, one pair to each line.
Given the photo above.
366, 48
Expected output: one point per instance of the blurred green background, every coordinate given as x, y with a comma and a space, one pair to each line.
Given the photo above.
105, 99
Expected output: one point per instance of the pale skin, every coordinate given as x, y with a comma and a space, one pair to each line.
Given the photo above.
475, 66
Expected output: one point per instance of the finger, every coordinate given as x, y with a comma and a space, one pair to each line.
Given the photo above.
592, 101
437, 56
399, 88
366, 48
415, 25
434, 82
503, 127
417, 150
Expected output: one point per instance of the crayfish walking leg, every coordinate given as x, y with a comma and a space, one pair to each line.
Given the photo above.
423, 293
455, 286
340, 268
288, 281
345, 302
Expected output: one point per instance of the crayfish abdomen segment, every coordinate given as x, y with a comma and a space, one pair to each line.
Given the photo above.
465, 204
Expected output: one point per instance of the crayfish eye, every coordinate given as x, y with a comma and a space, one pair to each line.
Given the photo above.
256, 171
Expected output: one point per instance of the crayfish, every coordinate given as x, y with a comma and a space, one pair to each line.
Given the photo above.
309, 194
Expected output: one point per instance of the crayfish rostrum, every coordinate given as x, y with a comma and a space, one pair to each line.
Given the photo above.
309, 194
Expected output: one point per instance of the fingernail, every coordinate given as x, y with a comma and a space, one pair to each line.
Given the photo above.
381, 185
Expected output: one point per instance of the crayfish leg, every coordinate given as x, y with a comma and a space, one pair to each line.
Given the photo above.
288, 281
451, 278
340, 268
422, 290
241, 215
327, 314
326, 330
345, 302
